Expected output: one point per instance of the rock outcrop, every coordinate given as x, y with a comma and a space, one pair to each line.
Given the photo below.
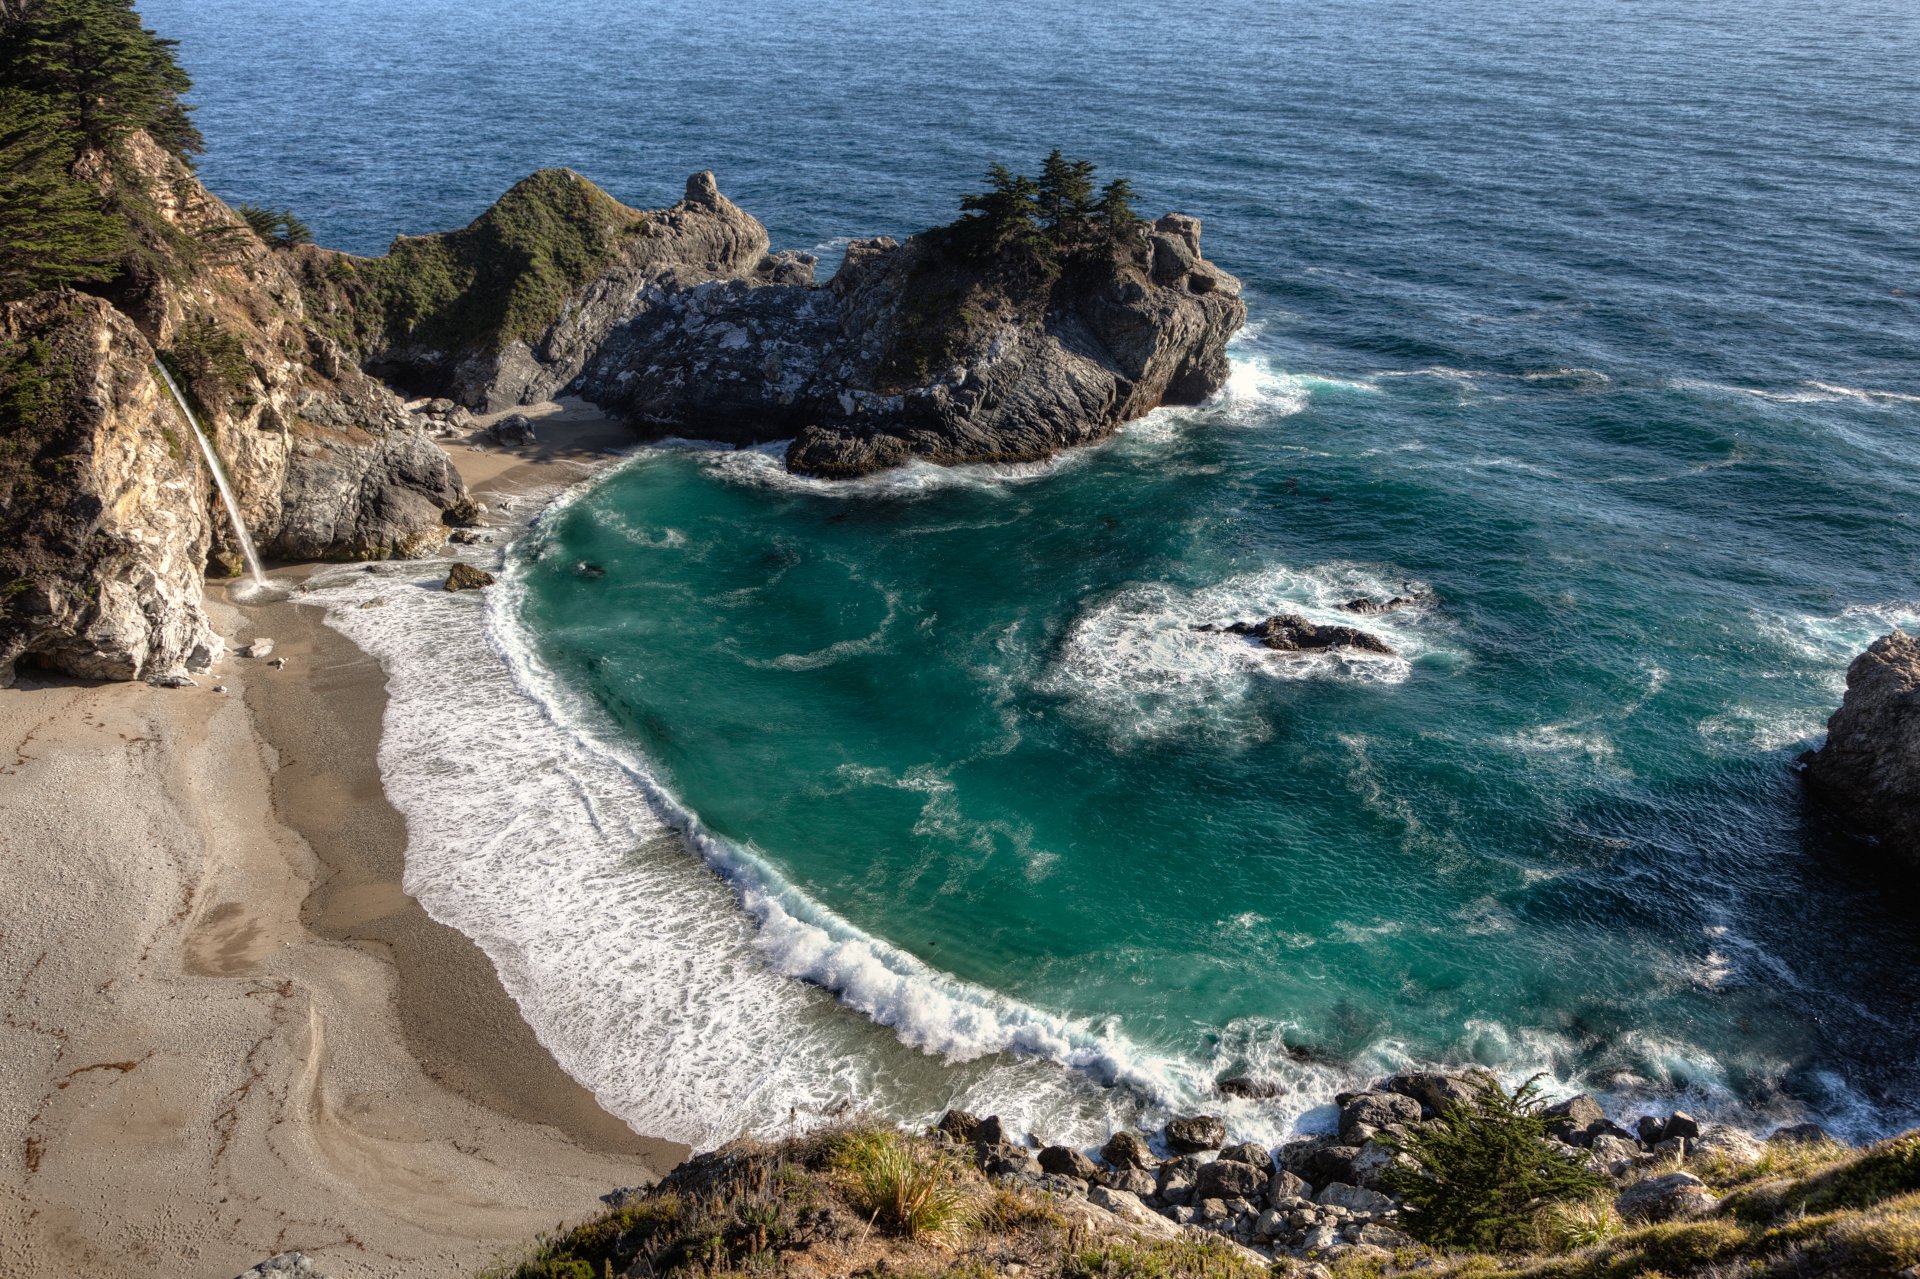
914, 350
1291, 633
103, 500
106, 526
1869, 768
508, 310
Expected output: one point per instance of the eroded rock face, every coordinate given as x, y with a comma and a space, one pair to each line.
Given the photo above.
1869, 769
104, 522
910, 352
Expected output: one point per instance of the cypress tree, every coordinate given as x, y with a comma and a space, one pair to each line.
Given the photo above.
103, 72
53, 229
1065, 196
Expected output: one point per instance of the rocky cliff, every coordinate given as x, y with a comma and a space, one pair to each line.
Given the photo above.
103, 496
508, 310
105, 518
914, 350
1869, 768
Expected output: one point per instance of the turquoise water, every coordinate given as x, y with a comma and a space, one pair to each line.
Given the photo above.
1595, 322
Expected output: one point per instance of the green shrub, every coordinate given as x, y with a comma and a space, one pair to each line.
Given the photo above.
1483, 1170
1195, 1257
905, 1186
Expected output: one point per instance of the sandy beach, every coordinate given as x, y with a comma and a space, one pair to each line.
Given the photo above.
225, 1029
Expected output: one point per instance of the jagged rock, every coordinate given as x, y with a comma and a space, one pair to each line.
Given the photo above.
1727, 1145
1869, 768
1135, 1181
514, 429
1059, 1184
1320, 1238
1371, 1164
1011, 1161
1067, 1162
1250, 1089
1128, 1150
1284, 1185
465, 577
1250, 1152
1175, 1181
1372, 607
1213, 1210
960, 1126
1355, 1199
171, 680
1229, 1179
992, 1132
1680, 1124
1369, 1112
1612, 1154
1291, 633
1674, 1197
913, 350
1436, 1090
1122, 1204
104, 500
1196, 1133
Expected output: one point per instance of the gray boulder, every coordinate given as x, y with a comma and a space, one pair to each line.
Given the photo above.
1067, 1162
465, 577
286, 1265
1175, 1181
1284, 1186
1249, 1152
1369, 1112
1677, 1196
1728, 1146
1128, 1150
1135, 1181
515, 429
1355, 1199
1196, 1133
1436, 1090
1230, 1179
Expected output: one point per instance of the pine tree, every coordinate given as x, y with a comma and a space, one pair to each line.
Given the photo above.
104, 73
53, 230
1002, 215
278, 227
1065, 196
1115, 212
1481, 1171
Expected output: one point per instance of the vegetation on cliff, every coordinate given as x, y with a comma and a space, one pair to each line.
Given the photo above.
80, 77
840, 1203
503, 278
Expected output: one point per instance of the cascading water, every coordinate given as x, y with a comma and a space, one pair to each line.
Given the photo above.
254, 571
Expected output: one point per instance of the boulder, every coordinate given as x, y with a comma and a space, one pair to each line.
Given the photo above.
1066, 1162
1368, 607
514, 429
1611, 1154
1652, 1130
1677, 1196
1801, 1135
465, 577
1135, 1181
1292, 633
1175, 1181
1196, 1133
1230, 1179
1128, 1150
1124, 1205
1372, 1234
1869, 768
1250, 1152
1355, 1199
1576, 1121
1250, 1089
1284, 1186
286, 1265
1727, 1146
261, 647
992, 1132
1370, 1166
1436, 1090
1332, 1164
1680, 1124
960, 1126
1369, 1112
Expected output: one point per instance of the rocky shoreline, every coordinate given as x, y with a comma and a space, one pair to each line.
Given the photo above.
1324, 1198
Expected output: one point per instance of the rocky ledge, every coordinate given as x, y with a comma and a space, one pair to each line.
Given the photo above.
920, 350
1869, 768
1328, 1197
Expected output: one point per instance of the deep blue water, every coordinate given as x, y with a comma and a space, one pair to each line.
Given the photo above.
1597, 321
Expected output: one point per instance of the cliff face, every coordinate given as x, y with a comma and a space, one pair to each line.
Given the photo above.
911, 351
103, 497
508, 310
104, 527
1869, 768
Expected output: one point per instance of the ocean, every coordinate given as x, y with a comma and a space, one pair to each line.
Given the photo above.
1592, 328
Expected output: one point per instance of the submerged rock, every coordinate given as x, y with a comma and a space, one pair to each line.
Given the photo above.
1291, 633
1250, 1089
1869, 768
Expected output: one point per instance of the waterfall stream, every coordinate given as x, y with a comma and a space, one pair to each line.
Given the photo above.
254, 570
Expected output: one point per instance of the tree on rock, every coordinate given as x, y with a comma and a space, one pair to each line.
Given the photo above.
1002, 215
1065, 196
104, 73
53, 230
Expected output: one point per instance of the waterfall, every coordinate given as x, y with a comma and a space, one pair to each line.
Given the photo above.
219, 478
